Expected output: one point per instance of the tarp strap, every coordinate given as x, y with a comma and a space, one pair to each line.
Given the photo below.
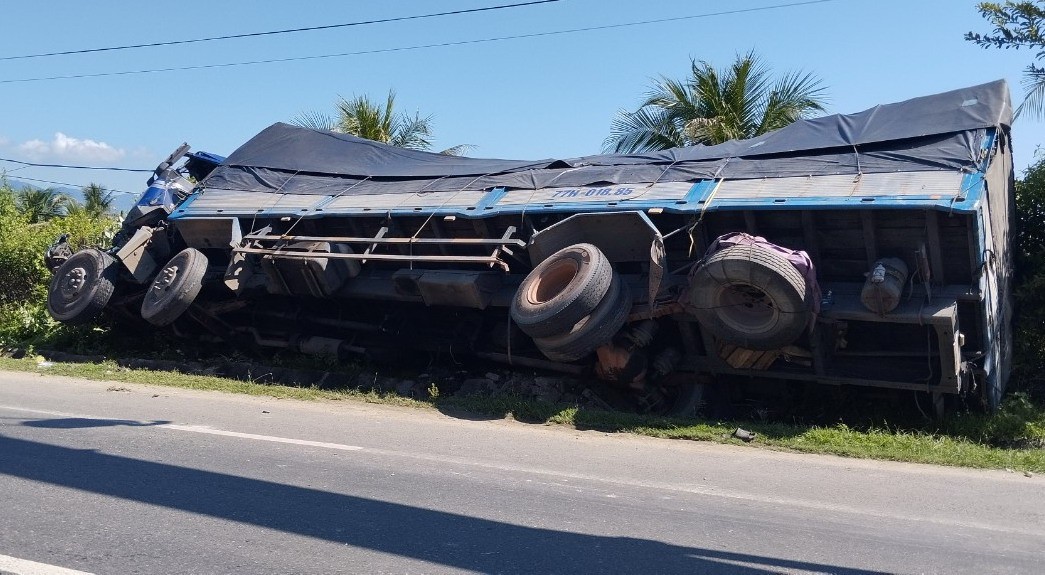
281, 196
704, 208
441, 206
651, 184
334, 197
859, 170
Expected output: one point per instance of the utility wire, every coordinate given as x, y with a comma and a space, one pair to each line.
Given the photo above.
35, 165
275, 32
68, 185
417, 47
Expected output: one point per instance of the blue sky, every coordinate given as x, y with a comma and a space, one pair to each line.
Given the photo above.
551, 96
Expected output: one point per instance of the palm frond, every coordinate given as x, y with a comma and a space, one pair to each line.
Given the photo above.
458, 150
1034, 93
413, 133
794, 97
97, 201
39, 205
647, 129
315, 120
712, 106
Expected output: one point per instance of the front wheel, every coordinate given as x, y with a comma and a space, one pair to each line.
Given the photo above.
82, 286
175, 287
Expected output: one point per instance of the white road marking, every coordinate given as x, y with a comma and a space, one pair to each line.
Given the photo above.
269, 438
54, 413
197, 429
17, 566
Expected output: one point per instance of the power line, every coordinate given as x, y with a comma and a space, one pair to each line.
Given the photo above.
275, 32
416, 47
67, 184
35, 165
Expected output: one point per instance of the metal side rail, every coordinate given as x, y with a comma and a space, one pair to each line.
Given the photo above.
499, 245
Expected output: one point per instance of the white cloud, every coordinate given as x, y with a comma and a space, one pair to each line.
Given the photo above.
66, 148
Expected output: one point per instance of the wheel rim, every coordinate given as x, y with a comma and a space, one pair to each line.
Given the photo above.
161, 286
553, 281
72, 284
166, 278
746, 308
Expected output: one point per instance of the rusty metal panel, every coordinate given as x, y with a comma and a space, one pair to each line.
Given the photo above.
932, 185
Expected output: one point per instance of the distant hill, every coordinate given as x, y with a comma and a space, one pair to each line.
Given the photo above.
71, 192
122, 203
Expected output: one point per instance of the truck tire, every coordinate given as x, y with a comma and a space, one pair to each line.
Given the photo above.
82, 286
175, 287
750, 296
593, 330
561, 290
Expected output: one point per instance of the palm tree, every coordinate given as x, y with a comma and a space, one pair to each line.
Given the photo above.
97, 201
75, 208
368, 119
40, 205
712, 106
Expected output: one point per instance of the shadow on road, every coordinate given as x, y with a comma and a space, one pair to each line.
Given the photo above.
450, 539
84, 422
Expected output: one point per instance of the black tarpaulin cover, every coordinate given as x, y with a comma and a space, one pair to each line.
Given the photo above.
938, 132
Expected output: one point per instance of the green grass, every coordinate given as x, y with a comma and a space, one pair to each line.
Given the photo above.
967, 441
110, 371
893, 445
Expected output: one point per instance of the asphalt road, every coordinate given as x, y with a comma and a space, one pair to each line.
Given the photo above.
119, 478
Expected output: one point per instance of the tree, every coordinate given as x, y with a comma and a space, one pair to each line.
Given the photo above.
713, 106
39, 205
368, 119
1029, 271
8, 200
1018, 25
97, 201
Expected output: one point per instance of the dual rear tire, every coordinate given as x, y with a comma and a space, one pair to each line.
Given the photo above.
571, 303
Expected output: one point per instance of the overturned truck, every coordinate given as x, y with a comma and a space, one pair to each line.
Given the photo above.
869, 249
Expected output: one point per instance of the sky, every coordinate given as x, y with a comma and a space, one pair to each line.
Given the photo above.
548, 95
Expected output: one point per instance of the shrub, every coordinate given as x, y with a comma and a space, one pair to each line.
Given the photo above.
23, 275
1029, 285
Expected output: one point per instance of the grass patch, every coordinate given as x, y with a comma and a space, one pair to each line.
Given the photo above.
968, 445
110, 371
1009, 439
